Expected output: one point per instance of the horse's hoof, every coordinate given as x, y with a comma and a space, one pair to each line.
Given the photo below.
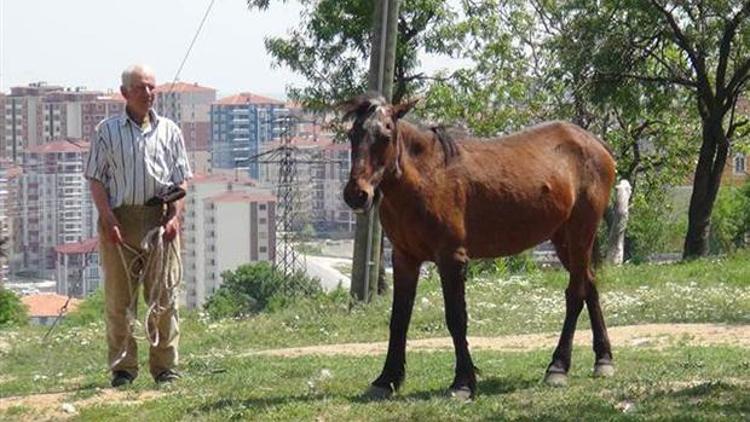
604, 370
375, 392
556, 379
461, 394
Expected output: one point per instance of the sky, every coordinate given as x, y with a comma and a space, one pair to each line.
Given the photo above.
89, 42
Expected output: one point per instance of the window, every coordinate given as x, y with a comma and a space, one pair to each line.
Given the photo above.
262, 207
739, 164
262, 249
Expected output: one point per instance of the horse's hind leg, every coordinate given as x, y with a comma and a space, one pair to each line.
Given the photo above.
573, 243
603, 364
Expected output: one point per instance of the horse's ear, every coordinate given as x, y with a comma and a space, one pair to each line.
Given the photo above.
400, 110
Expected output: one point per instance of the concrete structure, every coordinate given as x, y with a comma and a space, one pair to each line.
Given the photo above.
199, 245
38, 113
322, 172
240, 125
55, 205
239, 229
189, 105
77, 271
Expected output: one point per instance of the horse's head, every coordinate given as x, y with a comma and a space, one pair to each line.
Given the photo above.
375, 144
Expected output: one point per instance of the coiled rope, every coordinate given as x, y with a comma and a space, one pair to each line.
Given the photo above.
156, 261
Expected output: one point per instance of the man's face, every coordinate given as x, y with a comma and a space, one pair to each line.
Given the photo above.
140, 94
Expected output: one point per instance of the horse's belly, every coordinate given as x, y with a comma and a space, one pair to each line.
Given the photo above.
510, 232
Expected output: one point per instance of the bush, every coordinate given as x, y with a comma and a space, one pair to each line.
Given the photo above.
90, 310
12, 310
522, 263
253, 288
653, 227
730, 220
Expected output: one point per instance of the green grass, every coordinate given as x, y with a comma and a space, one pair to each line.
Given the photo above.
678, 383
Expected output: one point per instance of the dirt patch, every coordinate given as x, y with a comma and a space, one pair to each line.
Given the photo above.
649, 335
60, 406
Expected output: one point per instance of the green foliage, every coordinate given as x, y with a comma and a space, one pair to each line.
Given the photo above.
88, 311
253, 288
730, 221
522, 263
12, 310
650, 227
331, 47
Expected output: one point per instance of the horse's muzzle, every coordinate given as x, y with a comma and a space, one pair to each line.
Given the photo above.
357, 197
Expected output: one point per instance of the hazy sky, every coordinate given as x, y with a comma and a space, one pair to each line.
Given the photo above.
89, 42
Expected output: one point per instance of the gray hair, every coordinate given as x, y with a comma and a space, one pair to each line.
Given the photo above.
127, 74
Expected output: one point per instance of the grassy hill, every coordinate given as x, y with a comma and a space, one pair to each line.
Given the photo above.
233, 369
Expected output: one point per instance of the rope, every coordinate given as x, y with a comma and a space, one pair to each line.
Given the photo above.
156, 261
62, 311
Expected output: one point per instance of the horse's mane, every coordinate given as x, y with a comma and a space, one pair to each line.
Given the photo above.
447, 142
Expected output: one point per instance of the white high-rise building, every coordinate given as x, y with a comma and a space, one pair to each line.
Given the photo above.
54, 202
239, 229
200, 222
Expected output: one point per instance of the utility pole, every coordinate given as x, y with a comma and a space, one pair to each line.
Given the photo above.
368, 233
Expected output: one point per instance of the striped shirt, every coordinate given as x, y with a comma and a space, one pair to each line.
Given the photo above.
135, 163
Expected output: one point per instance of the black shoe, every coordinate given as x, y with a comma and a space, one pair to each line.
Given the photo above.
120, 378
167, 376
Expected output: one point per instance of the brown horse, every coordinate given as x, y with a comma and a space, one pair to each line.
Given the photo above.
446, 201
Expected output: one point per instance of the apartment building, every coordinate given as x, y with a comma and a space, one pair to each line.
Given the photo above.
240, 125
39, 113
239, 229
200, 244
54, 203
322, 170
4, 221
188, 105
77, 268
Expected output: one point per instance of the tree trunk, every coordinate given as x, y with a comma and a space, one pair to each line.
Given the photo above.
616, 238
711, 162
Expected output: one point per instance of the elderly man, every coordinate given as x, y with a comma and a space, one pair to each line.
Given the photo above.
136, 157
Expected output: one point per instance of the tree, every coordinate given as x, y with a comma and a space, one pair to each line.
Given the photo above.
331, 48
252, 288
701, 48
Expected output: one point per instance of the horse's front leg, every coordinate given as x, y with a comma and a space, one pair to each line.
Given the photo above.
405, 276
453, 280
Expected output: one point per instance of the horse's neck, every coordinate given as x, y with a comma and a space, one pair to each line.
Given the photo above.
420, 164
419, 149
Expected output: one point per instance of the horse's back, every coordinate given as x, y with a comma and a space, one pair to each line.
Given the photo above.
523, 186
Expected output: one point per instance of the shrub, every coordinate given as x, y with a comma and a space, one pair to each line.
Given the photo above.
253, 288
522, 263
12, 310
653, 227
90, 310
730, 219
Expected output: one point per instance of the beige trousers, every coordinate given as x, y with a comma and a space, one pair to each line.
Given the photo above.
135, 223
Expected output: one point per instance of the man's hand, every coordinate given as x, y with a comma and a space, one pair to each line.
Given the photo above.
172, 223
112, 229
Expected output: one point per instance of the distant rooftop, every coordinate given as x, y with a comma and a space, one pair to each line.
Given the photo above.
85, 246
69, 145
248, 98
238, 196
183, 87
215, 177
47, 304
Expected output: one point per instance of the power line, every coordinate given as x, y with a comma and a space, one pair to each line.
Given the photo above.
192, 43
